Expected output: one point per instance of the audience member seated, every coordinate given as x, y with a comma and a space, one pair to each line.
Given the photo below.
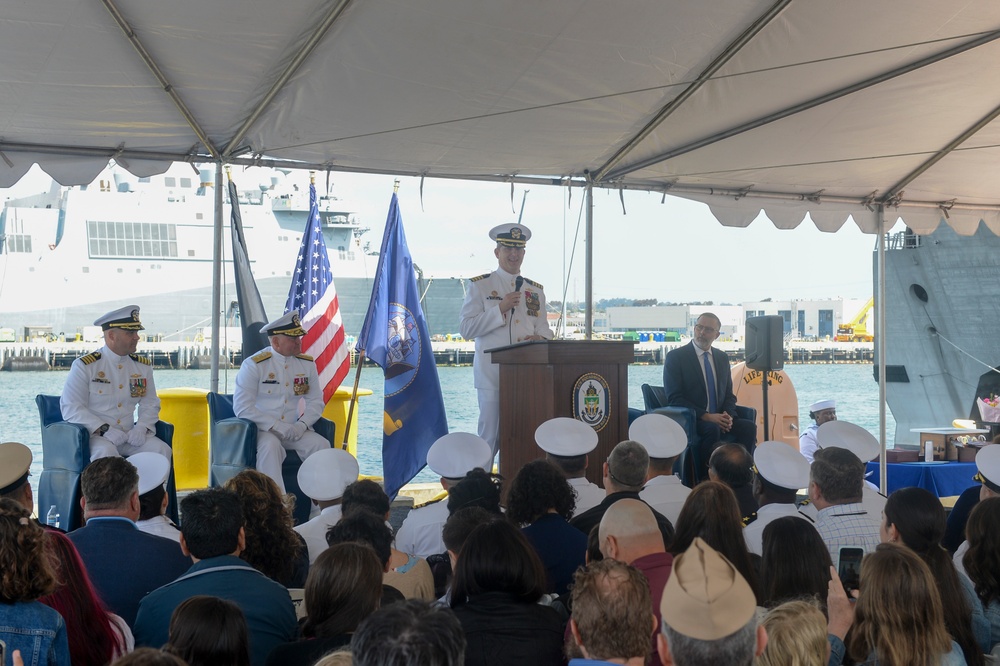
624, 475
781, 472
567, 443
732, 465
95, 636
15, 469
898, 618
712, 514
323, 477
495, 592
864, 445
361, 526
458, 528
709, 612
988, 475
149, 657
796, 635
209, 631
835, 481
664, 440
915, 518
794, 564
273, 547
982, 560
541, 502
612, 620
408, 573
344, 587
154, 470
123, 563
478, 488
413, 633
26, 574
212, 535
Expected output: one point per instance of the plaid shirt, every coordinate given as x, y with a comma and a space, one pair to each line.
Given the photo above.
848, 525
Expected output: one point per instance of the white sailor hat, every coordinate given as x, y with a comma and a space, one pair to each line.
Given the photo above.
153, 468
660, 435
511, 235
781, 465
844, 435
324, 475
15, 463
988, 464
287, 324
564, 436
126, 319
820, 405
458, 453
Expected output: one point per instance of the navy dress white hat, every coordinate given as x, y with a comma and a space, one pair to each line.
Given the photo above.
126, 319
564, 436
660, 435
511, 235
325, 474
287, 324
781, 465
456, 454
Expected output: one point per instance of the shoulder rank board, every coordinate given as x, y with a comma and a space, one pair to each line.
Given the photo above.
481, 277
261, 357
91, 357
140, 359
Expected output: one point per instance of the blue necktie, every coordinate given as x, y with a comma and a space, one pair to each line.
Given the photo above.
710, 381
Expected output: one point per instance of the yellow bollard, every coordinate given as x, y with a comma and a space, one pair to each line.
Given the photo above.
336, 411
187, 409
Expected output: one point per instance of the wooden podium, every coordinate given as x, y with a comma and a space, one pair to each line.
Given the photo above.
540, 380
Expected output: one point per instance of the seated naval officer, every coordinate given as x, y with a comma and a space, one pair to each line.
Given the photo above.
664, 440
278, 389
567, 443
153, 472
781, 472
104, 387
452, 457
323, 477
822, 411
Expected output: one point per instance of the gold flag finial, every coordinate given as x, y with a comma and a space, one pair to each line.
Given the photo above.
312, 177
229, 172
395, 186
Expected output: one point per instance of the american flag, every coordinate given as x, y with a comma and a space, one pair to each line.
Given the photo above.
312, 293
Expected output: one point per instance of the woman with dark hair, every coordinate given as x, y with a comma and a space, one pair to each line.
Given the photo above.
478, 488
35, 630
898, 619
982, 560
343, 588
795, 563
712, 513
541, 501
272, 546
209, 631
915, 517
495, 592
95, 635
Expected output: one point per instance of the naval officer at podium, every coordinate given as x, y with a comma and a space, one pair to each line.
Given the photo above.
501, 308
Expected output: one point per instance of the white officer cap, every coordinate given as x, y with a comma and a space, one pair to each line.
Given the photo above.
988, 464
153, 468
287, 324
458, 453
564, 436
511, 235
126, 319
822, 404
844, 435
781, 465
660, 435
324, 475
15, 463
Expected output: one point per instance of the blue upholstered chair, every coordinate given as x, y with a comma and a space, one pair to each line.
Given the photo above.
233, 448
655, 398
65, 454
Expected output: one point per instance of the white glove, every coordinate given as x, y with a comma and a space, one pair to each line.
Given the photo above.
137, 436
283, 430
115, 436
300, 429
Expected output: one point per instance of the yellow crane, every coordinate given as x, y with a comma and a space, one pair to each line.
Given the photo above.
857, 329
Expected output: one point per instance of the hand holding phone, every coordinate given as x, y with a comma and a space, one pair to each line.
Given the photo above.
849, 567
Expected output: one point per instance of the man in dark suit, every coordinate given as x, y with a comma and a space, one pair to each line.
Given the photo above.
697, 376
124, 563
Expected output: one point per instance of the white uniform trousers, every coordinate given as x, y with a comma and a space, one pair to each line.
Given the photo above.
103, 448
271, 452
489, 417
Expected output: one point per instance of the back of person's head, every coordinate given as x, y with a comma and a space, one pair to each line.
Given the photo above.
796, 636
108, 483
898, 615
209, 631
25, 569
344, 587
460, 524
982, 560
271, 544
628, 531
341, 657
363, 526
478, 488
146, 656
411, 633
795, 563
732, 464
594, 553
569, 465
537, 488
612, 610
212, 522
151, 503
496, 557
365, 494
839, 474
91, 638
627, 466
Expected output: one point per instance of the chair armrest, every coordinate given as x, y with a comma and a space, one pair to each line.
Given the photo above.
328, 429
748, 413
685, 416
165, 432
65, 446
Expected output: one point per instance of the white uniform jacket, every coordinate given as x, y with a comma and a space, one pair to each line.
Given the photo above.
666, 494
269, 387
754, 532
103, 387
808, 444
588, 495
314, 531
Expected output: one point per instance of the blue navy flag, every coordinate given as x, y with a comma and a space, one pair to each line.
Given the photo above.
395, 336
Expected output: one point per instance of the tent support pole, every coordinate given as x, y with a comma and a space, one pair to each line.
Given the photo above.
216, 278
590, 261
880, 344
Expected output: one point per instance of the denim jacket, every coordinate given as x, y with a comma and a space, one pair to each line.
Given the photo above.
37, 631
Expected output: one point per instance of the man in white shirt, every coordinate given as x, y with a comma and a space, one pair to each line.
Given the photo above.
835, 481
323, 477
860, 442
153, 472
664, 440
567, 443
781, 473
822, 411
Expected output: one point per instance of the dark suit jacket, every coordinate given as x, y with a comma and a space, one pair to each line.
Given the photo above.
684, 381
125, 564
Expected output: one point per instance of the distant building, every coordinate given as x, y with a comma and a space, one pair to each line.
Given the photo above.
808, 319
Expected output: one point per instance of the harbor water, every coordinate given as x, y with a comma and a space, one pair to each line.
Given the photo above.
851, 385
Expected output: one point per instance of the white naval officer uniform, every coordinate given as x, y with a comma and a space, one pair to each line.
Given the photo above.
808, 444
314, 531
665, 494
104, 388
160, 526
482, 321
754, 532
420, 533
270, 388
588, 494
